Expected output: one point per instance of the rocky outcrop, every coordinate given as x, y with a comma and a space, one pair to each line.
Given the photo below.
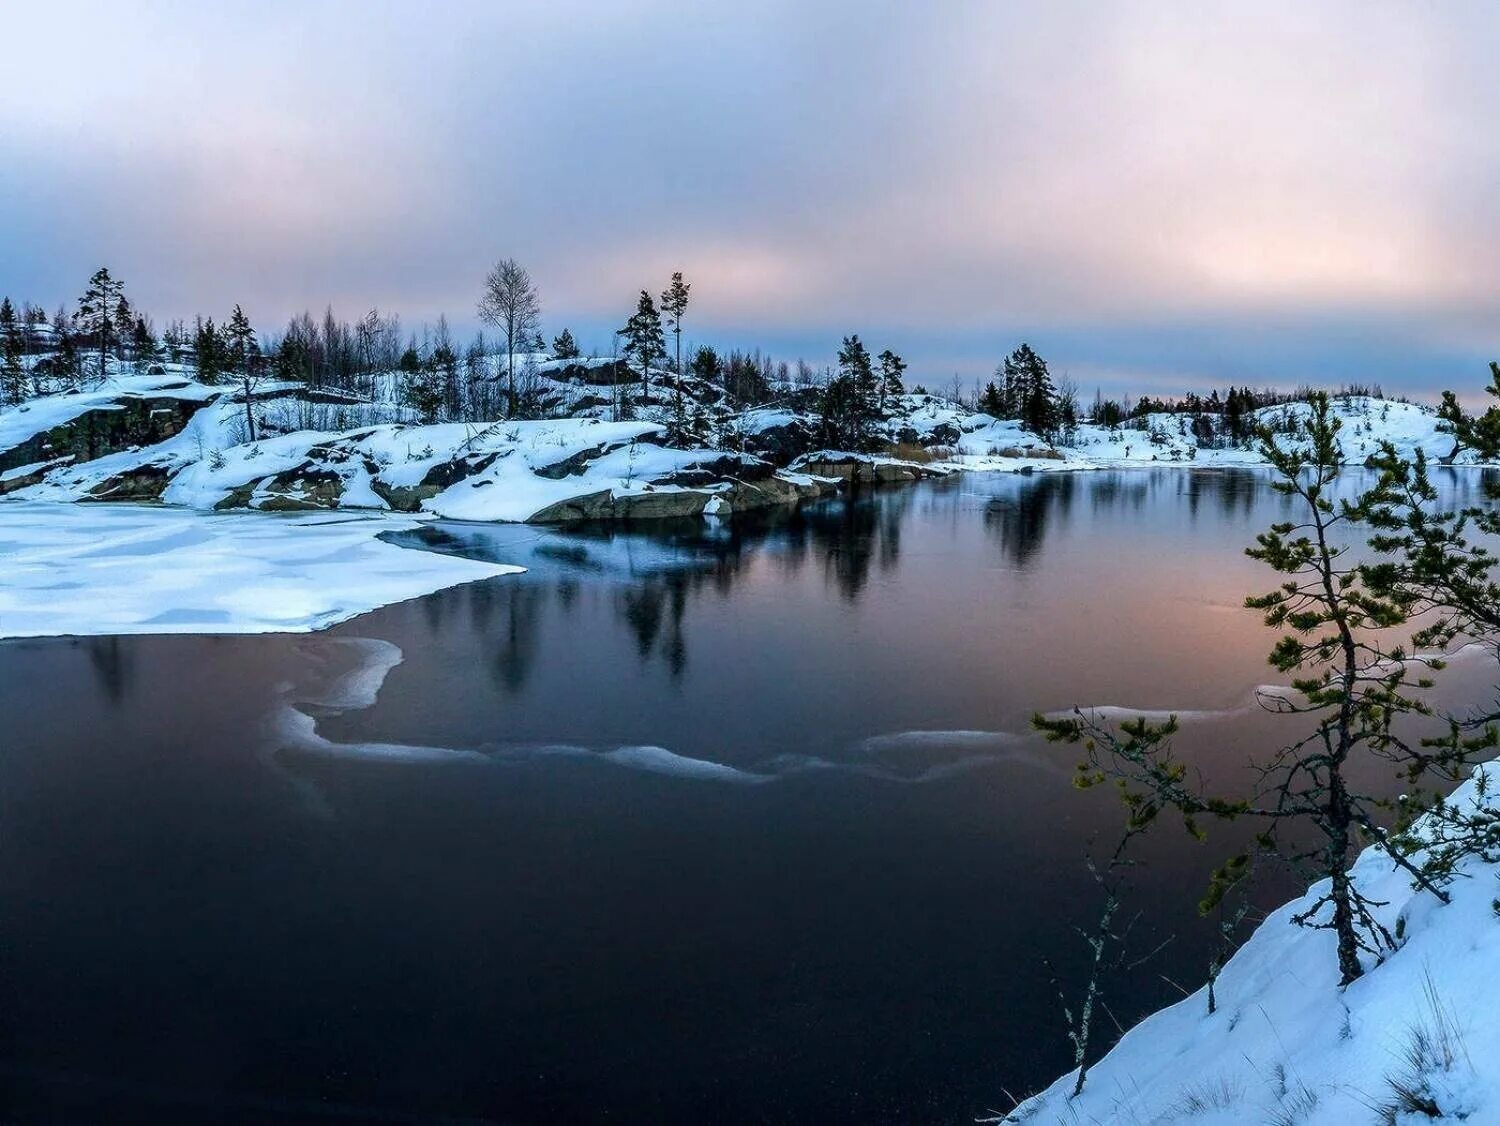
307, 487
664, 504
940, 434
130, 423
143, 483
864, 469
409, 498
669, 503
784, 442
600, 373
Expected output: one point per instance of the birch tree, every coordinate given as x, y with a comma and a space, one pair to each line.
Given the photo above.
511, 304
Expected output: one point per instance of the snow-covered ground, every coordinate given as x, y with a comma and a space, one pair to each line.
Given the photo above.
116, 569
1366, 423
1288, 1046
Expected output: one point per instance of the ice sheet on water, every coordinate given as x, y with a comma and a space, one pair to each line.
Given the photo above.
148, 569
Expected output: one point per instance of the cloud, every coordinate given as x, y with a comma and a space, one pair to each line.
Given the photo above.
1149, 187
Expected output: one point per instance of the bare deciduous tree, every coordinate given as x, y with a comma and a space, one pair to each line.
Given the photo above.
510, 303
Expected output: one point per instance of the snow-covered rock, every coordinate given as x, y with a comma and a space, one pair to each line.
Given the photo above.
545, 471
1288, 1046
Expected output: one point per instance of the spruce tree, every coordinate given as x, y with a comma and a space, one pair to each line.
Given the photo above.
67, 364
123, 322
1029, 392
564, 347
854, 361
208, 352
96, 311
992, 400
706, 366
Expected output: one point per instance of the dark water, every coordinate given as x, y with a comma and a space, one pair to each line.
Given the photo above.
239, 889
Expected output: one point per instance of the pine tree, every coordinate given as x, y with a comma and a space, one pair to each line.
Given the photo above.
1358, 687
644, 339
96, 310
891, 368
564, 347
421, 384
706, 366
12, 374
244, 359
850, 403
674, 303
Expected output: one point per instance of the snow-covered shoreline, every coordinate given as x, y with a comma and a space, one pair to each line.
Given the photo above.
1287, 1045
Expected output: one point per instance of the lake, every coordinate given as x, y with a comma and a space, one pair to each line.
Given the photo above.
720, 823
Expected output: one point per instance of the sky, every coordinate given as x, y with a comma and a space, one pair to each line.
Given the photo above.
1157, 196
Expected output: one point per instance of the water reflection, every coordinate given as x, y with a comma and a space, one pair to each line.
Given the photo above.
657, 572
549, 908
111, 660
1019, 521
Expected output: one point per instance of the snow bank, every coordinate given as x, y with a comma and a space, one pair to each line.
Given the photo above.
113, 569
1287, 1046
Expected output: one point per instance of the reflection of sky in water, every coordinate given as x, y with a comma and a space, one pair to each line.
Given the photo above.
522, 875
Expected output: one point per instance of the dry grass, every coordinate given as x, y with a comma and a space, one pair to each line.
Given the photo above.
910, 451
1210, 1095
1434, 1045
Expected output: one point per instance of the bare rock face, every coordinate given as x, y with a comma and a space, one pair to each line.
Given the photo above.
716, 468
575, 465
131, 423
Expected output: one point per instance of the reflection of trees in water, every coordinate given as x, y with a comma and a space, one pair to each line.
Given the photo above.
1019, 522
1022, 520
505, 614
647, 606
113, 664
854, 534
520, 635
1234, 491
1118, 490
